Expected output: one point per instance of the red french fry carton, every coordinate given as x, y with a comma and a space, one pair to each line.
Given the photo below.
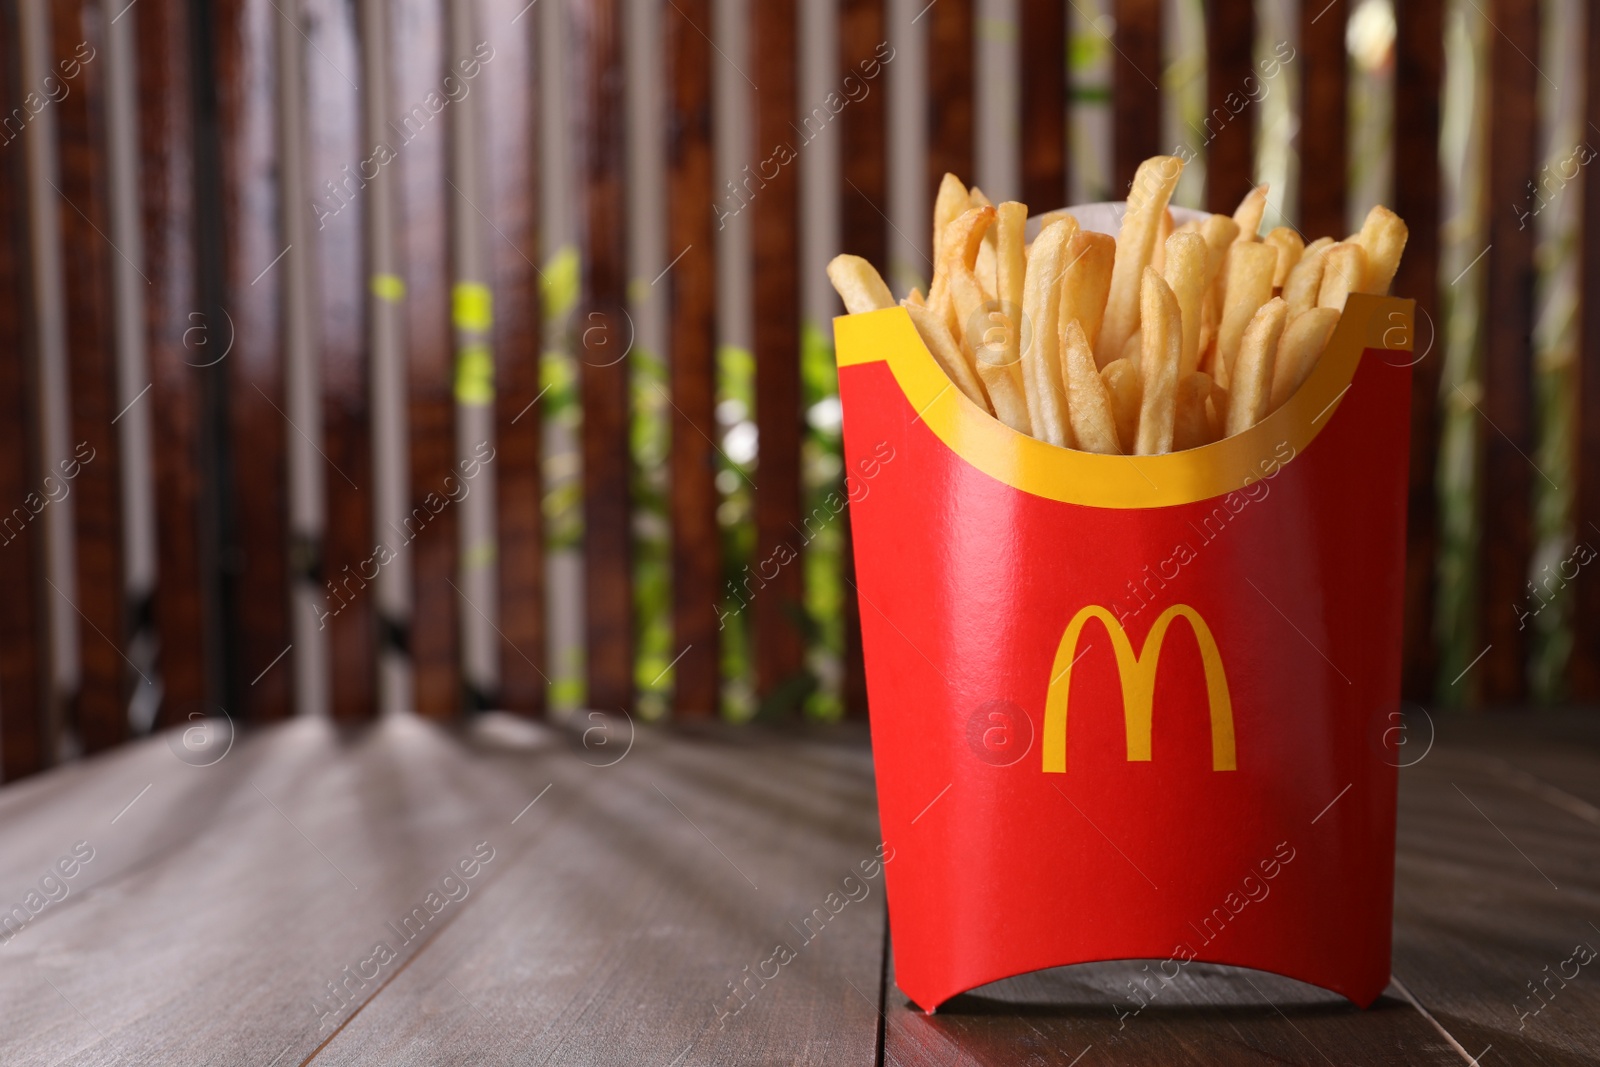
1133, 707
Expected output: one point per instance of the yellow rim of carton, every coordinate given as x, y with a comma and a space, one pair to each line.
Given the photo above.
1075, 477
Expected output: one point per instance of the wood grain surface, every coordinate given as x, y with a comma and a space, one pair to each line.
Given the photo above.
243, 58
1230, 115
602, 333
780, 640
1585, 663
1419, 82
1324, 85
23, 671
697, 579
1506, 428
1135, 90
331, 62
512, 177
638, 873
417, 31
188, 640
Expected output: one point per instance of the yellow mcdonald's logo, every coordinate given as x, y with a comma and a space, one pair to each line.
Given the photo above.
1138, 674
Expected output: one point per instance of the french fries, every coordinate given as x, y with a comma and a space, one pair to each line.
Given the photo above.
859, 284
1088, 398
1161, 353
1153, 184
1165, 338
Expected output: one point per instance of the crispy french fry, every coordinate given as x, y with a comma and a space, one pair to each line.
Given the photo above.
1344, 273
950, 202
1051, 217
1317, 247
1094, 426
859, 284
987, 270
1192, 428
1004, 385
1249, 212
1153, 184
1133, 348
947, 353
1122, 383
1300, 288
1251, 388
976, 198
1010, 272
1158, 258
1290, 248
962, 238
1249, 285
915, 297
1298, 350
1185, 275
984, 334
1162, 352
1220, 233
1383, 238
1041, 301
948, 206
1216, 410
1087, 280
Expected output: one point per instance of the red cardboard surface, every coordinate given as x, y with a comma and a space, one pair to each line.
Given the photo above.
1109, 732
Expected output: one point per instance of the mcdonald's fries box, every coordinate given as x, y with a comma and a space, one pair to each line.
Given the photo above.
1133, 707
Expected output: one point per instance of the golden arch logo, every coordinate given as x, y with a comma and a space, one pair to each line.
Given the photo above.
1137, 672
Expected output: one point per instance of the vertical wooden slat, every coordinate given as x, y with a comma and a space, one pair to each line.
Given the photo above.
167, 177
1505, 512
332, 66
863, 207
780, 644
1323, 125
603, 333
1135, 88
22, 667
1044, 103
1229, 124
691, 301
1419, 68
77, 43
417, 36
1584, 674
510, 81
951, 42
244, 49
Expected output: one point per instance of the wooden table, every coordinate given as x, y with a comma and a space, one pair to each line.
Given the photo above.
231, 913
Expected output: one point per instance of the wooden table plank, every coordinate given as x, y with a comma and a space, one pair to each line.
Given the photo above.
1495, 884
656, 885
1207, 1015
256, 884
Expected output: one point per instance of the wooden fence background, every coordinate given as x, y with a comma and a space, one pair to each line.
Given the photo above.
245, 352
